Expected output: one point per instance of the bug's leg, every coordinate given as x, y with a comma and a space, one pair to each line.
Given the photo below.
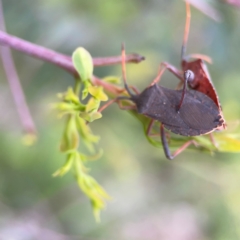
212, 139
130, 107
107, 105
127, 88
165, 143
149, 128
161, 70
134, 89
173, 70
179, 150
199, 56
170, 68
176, 72
117, 100
184, 146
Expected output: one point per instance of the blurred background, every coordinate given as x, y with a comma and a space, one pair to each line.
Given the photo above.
194, 197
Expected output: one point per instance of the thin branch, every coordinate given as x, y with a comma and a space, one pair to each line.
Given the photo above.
56, 58
131, 58
37, 51
15, 85
64, 61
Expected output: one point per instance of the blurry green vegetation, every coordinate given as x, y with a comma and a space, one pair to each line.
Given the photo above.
200, 190
78, 116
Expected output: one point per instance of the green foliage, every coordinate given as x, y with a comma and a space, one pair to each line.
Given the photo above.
112, 79
97, 93
227, 142
77, 130
83, 63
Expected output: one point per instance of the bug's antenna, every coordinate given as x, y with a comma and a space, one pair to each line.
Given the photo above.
161, 70
124, 71
186, 31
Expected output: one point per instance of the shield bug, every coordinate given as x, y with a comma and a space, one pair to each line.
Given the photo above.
201, 81
184, 112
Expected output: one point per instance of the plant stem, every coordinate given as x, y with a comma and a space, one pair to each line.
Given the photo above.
77, 86
56, 58
64, 61
15, 85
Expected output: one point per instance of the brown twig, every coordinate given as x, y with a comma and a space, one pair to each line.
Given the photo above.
131, 58
64, 61
56, 58
37, 51
15, 85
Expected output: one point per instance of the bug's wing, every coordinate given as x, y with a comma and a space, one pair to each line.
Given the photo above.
200, 112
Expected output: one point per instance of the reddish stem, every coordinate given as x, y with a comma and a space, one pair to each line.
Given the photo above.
15, 85
56, 58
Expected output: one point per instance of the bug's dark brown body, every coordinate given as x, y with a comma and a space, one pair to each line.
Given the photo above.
198, 114
184, 112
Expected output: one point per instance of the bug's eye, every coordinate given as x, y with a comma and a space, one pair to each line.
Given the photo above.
189, 75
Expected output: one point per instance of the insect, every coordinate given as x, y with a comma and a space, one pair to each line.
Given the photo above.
201, 81
184, 112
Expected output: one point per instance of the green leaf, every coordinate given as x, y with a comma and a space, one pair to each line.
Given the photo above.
86, 135
85, 89
112, 79
91, 157
94, 191
66, 167
90, 117
71, 96
63, 106
92, 105
97, 207
79, 166
70, 139
83, 63
227, 143
98, 93
205, 142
